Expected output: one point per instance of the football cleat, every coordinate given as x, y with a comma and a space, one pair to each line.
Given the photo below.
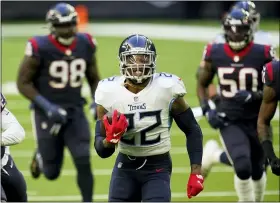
210, 149
34, 166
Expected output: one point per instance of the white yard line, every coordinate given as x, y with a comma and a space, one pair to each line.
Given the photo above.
174, 195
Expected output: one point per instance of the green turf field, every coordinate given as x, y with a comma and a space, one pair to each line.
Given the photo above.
178, 57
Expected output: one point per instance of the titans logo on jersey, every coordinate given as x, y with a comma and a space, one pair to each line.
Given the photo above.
3, 102
147, 112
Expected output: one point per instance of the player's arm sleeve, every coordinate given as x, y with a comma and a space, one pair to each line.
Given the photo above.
269, 53
185, 120
92, 73
103, 96
28, 70
267, 74
100, 148
12, 132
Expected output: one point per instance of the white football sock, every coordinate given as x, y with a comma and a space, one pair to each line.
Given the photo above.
259, 188
244, 189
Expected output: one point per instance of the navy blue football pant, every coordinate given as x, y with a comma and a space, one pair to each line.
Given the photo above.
244, 149
75, 135
13, 183
136, 179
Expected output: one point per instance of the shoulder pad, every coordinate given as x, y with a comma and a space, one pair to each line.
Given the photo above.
32, 47
105, 89
3, 102
91, 41
269, 52
208, 51
269, 71
171, 82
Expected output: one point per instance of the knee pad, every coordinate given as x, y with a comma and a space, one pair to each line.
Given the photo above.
242, 167
51, 171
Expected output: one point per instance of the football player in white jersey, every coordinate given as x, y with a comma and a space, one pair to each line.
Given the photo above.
12, 181
213, 153
148, 102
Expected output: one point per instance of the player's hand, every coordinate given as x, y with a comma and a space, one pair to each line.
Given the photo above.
275, 166
216, 119
115, 130
243, 97
57, 114
93, 110
195, 185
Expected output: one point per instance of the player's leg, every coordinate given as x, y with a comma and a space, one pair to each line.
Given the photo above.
13, 182
155, 179
3, 195
237, 145
258, 171
48, 157
124, 186
77, 139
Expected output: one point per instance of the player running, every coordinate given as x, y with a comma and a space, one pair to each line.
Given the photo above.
13, 185
148, 102
238, 65
51, 76
213, 154
271, 96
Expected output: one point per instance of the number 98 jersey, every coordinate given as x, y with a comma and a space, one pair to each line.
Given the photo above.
61, 69
147, 112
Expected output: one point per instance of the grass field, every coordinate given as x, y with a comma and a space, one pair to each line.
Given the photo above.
178, 57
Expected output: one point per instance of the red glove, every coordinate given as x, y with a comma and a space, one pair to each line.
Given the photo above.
195, 185
115, 130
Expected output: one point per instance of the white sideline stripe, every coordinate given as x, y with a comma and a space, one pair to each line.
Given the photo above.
174, 195
155, 31
174, 151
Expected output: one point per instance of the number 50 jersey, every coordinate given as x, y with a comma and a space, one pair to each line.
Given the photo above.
147, 112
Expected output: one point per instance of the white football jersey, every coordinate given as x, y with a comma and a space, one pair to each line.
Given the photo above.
147, 112
260, 37
11, 132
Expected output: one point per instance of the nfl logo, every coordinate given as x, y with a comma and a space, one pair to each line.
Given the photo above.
236, 58
136, 99
68, 52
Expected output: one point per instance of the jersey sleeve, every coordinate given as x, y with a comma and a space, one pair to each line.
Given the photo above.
92, 42
178, 89
105, 92
32, 48
3, 102
267, 74
269, 53
207, 52
12, 132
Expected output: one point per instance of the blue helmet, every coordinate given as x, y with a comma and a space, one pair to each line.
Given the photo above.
238, 29
137, 57
250, 7
63, 19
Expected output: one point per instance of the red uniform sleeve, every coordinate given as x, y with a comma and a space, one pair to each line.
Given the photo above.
92, 42
32, 48
267, 74
207, 52
269, 53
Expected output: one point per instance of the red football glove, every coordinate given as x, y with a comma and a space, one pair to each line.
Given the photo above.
115, 130
195, 185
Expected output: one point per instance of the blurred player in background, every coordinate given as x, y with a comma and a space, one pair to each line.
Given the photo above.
51, 76
13, 185
271, 96
214, 154
238, 65
148, 102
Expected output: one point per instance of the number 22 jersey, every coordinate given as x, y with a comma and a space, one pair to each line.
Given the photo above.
147, 112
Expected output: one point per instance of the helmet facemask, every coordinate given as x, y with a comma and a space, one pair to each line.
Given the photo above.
238, 36
138, 64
